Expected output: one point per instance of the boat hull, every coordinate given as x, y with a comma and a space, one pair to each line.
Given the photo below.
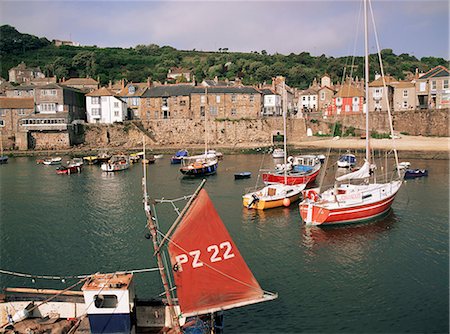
68, 170
199, 171
318, 215
414, 173
3, 159
270, 204
291, 178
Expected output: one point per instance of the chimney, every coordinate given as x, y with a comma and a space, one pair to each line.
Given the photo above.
110, 84
149, 82
216, 79
123, 83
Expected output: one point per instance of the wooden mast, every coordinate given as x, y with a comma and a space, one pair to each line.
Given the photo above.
284, 130
153, 231
366, 66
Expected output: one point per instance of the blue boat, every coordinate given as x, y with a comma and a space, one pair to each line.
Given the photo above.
414, 173
242, 175
176, 159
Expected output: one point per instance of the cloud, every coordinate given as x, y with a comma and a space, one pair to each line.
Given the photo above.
318, 27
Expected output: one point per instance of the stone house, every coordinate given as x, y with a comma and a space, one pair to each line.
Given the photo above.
23, 74
190, 102
433, 89
348, 100
378, 100
20, 91
325, 94
12, 109
132, 94
167, 101
104, 106
84, 84
404, 96
226, 102
58, 110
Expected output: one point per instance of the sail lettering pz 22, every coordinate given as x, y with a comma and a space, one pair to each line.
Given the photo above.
210, 273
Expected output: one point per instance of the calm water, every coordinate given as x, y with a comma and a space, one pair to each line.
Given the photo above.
388, 276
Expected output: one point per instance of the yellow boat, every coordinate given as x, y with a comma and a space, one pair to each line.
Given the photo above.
273, 196
91, 159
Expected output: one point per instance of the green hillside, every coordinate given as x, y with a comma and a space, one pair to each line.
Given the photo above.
138, 63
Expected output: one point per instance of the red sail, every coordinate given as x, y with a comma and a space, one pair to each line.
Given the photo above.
210, 273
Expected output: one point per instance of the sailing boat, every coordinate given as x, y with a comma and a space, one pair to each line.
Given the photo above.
3, 158
366, 197
279, 194
203, 164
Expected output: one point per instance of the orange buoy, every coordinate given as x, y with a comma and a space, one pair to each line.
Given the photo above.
286, 202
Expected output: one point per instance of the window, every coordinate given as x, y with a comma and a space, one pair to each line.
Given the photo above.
2, 122
156, 114
116, 113
217, 98
105, 301
422, 86
445, 84
116, 104
213, 111
21, 111
233, 98
182, 103
48, 107
48, 92
355, 100
2, 112
131, 89
95, 100
405, 105
433, 85
202, 99
233, 111
322, 96
103, 98
405, 93
202, 111
304, 98
252, 98
165, 102
347, 108
95, 112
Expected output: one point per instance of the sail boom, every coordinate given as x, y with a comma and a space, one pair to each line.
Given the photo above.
265, 298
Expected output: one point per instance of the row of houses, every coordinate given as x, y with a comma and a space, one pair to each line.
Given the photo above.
55, 107
429, 90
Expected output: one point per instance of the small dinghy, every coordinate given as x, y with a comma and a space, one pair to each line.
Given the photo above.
242, 175
414, 173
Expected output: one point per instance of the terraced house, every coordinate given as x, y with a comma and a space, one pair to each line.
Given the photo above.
192, 102
57, 113
433, 89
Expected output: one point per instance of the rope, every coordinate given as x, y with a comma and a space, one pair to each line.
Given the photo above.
53, 277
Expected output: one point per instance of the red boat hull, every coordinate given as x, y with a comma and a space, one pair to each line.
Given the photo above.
322, 216
291, 179
68, 170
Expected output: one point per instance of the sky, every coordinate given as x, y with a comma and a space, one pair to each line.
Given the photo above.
330, 27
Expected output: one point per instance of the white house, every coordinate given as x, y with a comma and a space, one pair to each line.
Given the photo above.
103, 106
272, 103
308, 100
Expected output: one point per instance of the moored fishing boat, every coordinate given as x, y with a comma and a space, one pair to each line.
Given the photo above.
91, 159
360, 195
347, 160
272, 196
199, 165
117, 163
52, 161
414, 173
69, 169
242, 175
278, 153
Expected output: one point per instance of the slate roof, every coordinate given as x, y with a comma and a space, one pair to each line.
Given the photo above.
403, 84
309, 91
185, 90
437, 72
267, 91
140, 89
16, 103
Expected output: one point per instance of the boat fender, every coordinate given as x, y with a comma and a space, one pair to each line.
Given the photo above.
290, 159
286, 202
312, 195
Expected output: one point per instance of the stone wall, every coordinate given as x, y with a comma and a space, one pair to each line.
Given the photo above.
38, 140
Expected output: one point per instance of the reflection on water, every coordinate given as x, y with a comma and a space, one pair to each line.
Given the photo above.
389, 275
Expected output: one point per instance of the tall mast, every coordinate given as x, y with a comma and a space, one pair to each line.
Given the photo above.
284, 129
366, 58
153, 231
206, 121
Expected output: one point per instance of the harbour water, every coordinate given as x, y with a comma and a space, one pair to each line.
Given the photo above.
387, 276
